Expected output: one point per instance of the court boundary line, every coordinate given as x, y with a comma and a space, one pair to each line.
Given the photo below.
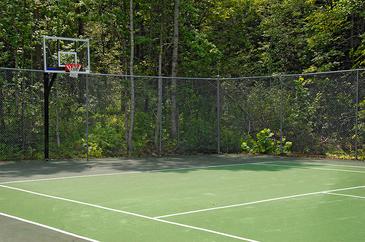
327, 164
308, 168
130, 213
263, 163
345, 195
259, 201
131, 172
69, 177
47, 227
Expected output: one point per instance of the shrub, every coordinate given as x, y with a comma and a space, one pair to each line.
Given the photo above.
265, 143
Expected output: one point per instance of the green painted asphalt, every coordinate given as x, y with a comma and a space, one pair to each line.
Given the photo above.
318, 217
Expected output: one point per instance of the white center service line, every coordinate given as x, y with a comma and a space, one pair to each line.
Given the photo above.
48, 227
260, 201
130, 213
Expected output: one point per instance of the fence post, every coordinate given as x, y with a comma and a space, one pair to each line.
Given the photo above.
357, 115
218, 116
159, 111
281, 114
87, 116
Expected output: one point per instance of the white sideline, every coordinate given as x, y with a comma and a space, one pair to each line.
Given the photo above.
344, 195
260, 201
267, 163
309, 168
130, 213
47, 227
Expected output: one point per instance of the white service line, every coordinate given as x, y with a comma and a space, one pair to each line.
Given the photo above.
260, 201
344, 195
129, 213
48, 227
131, 172
309, 168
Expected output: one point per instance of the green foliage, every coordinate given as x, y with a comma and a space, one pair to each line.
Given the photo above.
105, 139
239, 37
230, 141
228, 38
94, 150
143, 132
265, 143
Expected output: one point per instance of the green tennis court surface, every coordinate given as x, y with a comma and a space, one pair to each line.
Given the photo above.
195, 198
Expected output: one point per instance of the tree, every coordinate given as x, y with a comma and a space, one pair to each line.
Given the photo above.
131, 73
174, 63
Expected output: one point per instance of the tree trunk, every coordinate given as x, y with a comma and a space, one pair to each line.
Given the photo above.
80, 22
174, 114
132, 103
37, 62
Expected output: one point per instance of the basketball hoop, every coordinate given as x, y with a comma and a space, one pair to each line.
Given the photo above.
74, 69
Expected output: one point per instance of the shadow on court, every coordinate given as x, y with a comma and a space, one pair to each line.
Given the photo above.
39, 169
13, 230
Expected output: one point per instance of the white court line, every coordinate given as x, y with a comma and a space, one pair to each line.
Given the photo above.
344, 195
68, 177
122, 173
130, 213
260, 201
131, 172
328, 164
48, 227
269, 163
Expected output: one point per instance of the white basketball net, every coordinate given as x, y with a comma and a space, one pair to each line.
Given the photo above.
73, 69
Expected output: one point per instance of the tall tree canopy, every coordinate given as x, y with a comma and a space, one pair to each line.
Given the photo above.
194, 38
238, 37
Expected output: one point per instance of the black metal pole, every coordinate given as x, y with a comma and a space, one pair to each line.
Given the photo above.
46, 115
47, 84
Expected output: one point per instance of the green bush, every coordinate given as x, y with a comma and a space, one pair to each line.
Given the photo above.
105, 139
230, 141
94, 150
265, 143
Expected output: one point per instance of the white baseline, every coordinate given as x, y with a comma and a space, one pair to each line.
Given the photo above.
263, 163
328, 164
131, 172
270, 163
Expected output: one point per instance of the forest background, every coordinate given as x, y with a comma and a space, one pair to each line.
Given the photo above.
230, 38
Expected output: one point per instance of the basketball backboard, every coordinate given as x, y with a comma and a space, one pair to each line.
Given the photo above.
60, 51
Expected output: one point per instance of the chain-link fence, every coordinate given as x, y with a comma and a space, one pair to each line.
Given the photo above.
21, 132
320, 114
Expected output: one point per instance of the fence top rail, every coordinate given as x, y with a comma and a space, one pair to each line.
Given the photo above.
200, 78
